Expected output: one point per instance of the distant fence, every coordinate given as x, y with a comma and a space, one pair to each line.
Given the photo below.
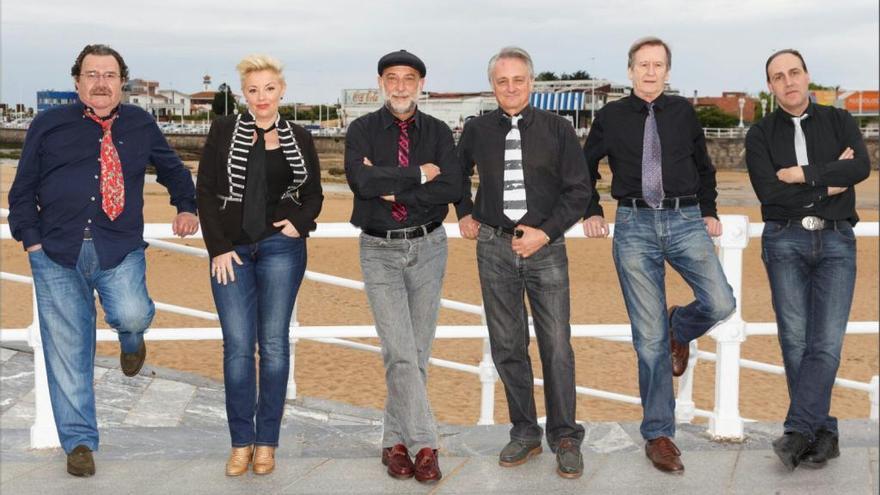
725, 422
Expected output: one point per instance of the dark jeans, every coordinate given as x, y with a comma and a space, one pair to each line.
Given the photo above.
505, 278
644, 241
812, 278
256, 308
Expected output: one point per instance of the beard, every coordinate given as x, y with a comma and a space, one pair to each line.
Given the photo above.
400, 109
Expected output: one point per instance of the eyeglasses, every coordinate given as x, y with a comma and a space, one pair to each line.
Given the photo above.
93, 76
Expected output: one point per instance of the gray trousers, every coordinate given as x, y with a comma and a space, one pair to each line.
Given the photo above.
403, 279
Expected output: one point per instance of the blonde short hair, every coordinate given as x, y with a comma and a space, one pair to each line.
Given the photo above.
254, 63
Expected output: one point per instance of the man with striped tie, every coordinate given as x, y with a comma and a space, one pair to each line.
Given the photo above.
534, 185
400, 164
664, 183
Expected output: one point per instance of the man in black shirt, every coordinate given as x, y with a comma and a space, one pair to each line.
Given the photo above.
804, 160
533, 187
401, 167
664, 182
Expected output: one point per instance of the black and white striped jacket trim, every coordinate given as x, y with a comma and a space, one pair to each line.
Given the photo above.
240, 147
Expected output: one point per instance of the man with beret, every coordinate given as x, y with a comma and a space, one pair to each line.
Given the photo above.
400, 164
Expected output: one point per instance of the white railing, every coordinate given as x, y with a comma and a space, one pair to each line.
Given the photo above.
725, 422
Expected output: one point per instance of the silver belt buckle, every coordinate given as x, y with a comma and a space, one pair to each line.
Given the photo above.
813, 223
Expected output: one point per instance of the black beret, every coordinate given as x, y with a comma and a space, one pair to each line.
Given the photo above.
402, 57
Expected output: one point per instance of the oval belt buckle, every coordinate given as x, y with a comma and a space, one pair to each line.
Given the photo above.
813, 223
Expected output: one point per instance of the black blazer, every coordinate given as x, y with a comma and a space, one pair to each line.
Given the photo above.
221, 224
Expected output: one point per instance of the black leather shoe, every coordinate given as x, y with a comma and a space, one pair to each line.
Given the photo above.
132, 362
517, 452
569, 461
825, 447
790, 448
80, 461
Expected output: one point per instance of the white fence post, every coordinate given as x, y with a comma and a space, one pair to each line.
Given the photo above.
685, 408
726, 422
291, 379
487, 383
43, 432
875, 398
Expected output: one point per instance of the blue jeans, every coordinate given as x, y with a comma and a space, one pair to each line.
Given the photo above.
812, 279
403, 279
256, 309
66, 306
505, 279
644, 239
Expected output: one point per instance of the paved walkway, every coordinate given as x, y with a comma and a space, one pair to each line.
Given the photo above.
165, 432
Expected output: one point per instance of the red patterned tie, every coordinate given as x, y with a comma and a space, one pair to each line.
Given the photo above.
398, 211
112, 183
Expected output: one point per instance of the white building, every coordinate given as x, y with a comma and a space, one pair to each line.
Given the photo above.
453, 108
159, 102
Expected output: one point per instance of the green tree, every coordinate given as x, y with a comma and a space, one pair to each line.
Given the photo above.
221, 106
813, 86
577, 75
712, 116
547, 76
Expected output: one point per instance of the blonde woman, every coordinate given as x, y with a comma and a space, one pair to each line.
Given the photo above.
259, 192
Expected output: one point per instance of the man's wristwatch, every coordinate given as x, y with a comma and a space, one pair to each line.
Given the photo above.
424, 177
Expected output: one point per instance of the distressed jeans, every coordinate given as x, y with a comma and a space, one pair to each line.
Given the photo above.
66, 306
644, 240
812, 278
505, 279
254, 310
403, 279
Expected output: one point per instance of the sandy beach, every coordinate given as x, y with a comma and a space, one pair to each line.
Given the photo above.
357, 377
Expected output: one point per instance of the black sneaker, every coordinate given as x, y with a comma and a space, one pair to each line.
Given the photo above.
825, 447
80, 461
790, 448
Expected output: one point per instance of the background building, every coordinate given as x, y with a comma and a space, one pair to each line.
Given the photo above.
47, 99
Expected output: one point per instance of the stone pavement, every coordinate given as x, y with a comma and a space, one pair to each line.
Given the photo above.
165, 432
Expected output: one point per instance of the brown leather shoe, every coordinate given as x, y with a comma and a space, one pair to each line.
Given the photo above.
427, 467
239, 460
664, 455
132, 362
264, 459
680, 352
399, 464
80, 461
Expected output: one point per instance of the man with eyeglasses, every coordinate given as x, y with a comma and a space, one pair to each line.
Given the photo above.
76, 204
803, 161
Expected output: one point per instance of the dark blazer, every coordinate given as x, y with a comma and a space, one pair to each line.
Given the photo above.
221, 223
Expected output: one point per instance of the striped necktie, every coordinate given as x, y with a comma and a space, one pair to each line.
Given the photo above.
652, 170
398, 210
800, 141
514, 181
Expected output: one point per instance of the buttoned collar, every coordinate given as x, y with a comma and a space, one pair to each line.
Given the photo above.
640, 105
527, 116
388, 118
786, 117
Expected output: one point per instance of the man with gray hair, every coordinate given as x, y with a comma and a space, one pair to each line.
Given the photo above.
533, 187
664, 183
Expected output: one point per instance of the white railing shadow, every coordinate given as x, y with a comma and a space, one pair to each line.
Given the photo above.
725, 422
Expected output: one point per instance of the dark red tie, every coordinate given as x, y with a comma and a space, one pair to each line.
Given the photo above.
398, 211
112, 183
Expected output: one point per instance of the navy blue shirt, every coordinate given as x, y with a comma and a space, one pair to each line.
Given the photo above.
56, 193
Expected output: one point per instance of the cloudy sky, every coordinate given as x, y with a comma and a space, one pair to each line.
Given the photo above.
329, 45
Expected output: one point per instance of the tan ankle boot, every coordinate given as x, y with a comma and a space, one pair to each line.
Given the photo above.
239, 460
264, 459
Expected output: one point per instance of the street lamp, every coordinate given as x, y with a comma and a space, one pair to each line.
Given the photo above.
742, 103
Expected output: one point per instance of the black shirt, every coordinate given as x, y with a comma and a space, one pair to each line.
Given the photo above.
556, 178
618, 133
375, 136
278, 176
828, 131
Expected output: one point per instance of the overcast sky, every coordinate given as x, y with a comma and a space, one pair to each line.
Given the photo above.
329, 45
